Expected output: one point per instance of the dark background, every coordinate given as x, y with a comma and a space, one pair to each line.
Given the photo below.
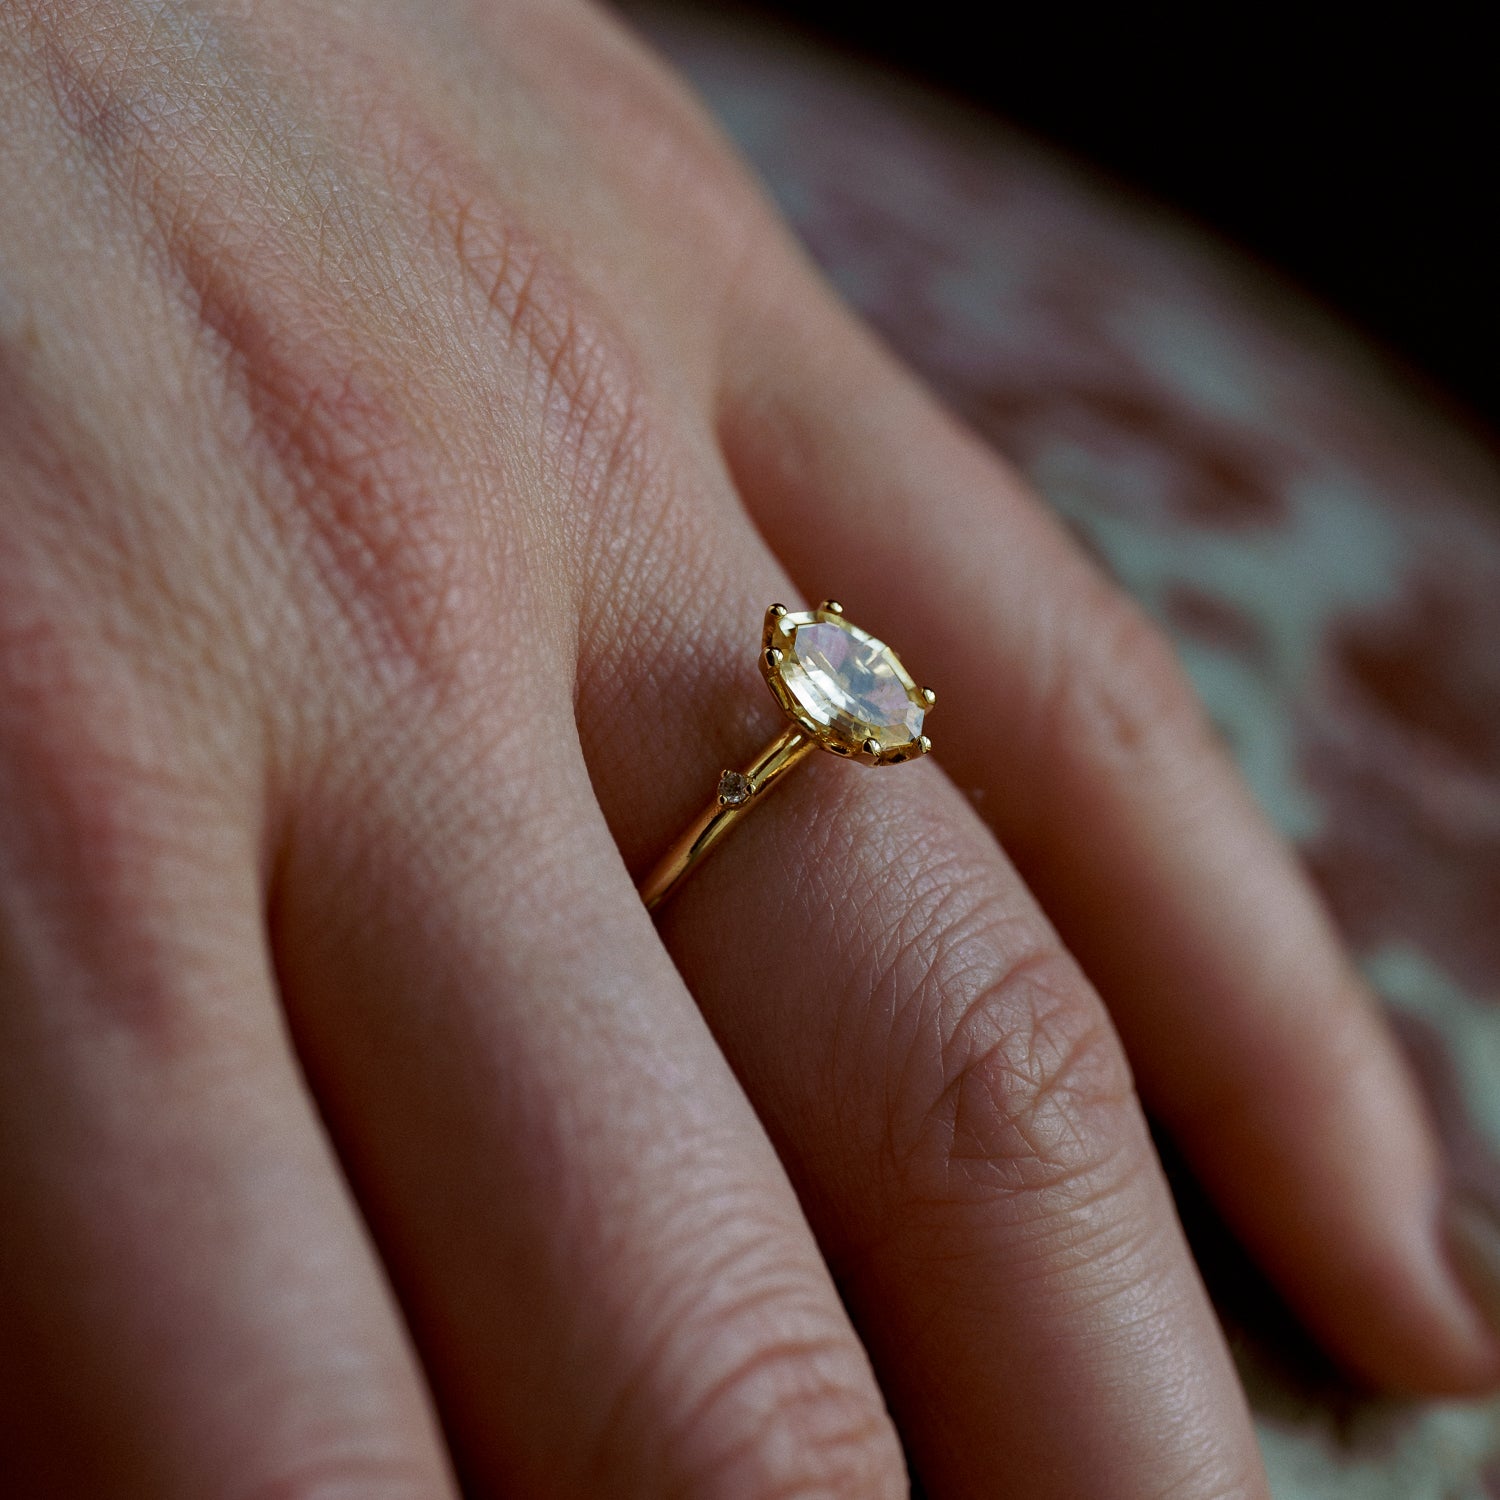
1357, 151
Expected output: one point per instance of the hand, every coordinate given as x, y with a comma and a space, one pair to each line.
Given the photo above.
407, 412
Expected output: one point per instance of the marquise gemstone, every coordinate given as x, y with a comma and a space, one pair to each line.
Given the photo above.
842, 677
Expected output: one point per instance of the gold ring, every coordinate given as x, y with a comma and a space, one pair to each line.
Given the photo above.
842, 691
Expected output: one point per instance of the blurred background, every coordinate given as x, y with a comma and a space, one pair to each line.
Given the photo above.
1357, 148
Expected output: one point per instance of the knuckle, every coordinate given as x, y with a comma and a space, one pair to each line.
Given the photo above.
374, 515
784, 1421
1011, 1081
394, 498
516, 287
573, 373
764, 1389
611, 471
1119, 695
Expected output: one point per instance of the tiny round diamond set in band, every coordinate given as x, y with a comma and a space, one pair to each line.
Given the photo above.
842, 691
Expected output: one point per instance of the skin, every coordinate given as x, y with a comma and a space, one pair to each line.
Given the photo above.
406, 413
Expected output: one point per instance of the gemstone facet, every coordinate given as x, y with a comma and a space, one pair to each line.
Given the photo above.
848, 685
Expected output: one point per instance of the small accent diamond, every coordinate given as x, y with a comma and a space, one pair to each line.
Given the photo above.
734, 789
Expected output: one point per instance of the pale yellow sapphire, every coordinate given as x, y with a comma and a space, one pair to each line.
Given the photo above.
845, 680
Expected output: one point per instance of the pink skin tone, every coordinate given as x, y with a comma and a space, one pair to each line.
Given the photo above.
406, 414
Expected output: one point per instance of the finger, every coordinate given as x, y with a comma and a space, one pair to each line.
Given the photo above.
940, 1080
1064, 712
611, 1282
958, 1117
188, 1304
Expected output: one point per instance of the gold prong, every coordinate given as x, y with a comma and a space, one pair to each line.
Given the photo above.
872, 747
773, 657
928, 696
832, 607
924, 744
777, 610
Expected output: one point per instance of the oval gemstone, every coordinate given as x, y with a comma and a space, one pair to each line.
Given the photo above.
846, 680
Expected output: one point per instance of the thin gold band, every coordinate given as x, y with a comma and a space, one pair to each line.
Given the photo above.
790, 746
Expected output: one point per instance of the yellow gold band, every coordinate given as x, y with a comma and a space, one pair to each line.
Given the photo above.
739, 791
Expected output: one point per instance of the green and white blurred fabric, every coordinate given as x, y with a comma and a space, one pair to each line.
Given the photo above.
1321, 541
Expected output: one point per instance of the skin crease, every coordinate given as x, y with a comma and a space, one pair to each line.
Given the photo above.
406, 413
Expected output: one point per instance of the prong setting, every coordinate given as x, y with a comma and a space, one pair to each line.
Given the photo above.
735, 789
844, 689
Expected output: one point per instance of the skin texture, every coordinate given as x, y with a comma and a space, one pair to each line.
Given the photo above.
406, 414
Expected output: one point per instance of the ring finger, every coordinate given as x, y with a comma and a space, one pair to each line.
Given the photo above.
941, 1080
